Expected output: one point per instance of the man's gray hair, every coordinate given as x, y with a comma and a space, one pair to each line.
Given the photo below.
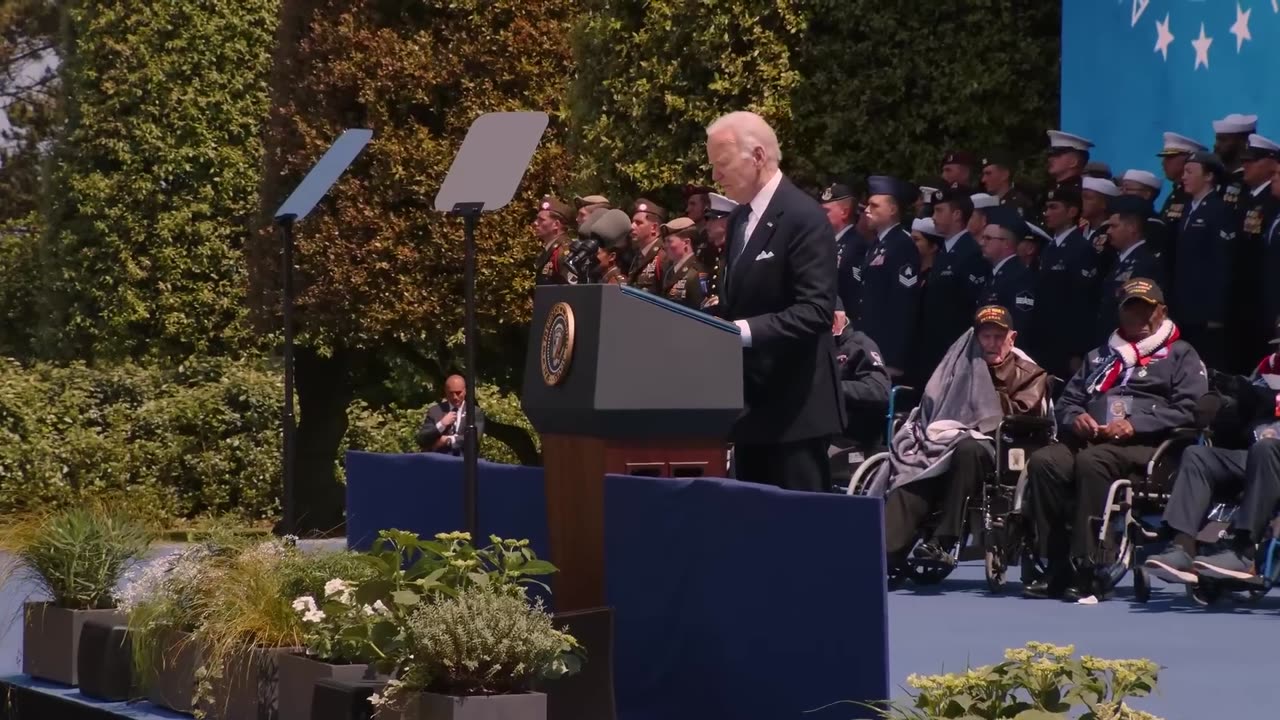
750, 131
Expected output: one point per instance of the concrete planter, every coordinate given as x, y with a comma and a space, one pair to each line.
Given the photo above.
171, 682
298, 676
51, 640
430, 706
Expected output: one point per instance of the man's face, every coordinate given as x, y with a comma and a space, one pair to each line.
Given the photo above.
1229, 146
1133, 187
995, 178
977, 223
676, 247
1028, 251
996, 243
882, 212
737, 172
1093, 204
1195, 179
948, 219
1058, 216
838, 213
717, 231
1275, 182
1061, 164
996, 342
644, 228
1139, 319
455, 391
1173, 165
955, 173
1121, 233
695, 208
546, 225
1257, 172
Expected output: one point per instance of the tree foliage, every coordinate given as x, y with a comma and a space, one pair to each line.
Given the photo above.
156, 176
853, 87
377, 265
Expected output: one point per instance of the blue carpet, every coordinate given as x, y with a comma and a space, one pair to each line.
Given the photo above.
1219, 662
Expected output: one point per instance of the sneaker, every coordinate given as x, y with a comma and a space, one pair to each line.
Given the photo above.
932, 553
1173, 565
1226, 565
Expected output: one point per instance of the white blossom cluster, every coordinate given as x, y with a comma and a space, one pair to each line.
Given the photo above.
165, 576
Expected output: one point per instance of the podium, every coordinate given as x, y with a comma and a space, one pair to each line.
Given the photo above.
618, 381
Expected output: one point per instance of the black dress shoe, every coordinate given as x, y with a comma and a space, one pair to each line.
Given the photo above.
1043, 590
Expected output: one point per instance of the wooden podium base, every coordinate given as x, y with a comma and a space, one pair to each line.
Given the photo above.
574, 468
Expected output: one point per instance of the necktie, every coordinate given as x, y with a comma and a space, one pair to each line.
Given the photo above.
740, 234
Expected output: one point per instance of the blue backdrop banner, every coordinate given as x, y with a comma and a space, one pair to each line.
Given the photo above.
1134, 69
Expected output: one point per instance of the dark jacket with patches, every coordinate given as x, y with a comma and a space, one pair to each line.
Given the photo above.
1139, 263
1012, 286
890, 295
1066, 303
956, 283
864, 386
552, 266
1206, 240
646, 269
683, 283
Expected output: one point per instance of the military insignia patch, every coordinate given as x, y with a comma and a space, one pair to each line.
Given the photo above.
826, 195
876, 359
907, 276
1025, 300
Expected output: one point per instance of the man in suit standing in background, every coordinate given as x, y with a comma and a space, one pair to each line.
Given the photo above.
778, 284
443, 429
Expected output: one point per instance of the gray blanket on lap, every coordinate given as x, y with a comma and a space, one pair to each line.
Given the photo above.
959, 401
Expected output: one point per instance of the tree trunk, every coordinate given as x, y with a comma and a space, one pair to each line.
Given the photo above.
325, 391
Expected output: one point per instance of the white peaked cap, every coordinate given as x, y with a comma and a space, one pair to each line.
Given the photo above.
983, 200
1236, 123
1175, 143
1037, 230
1059, 139
1143, 177
1100, 185
1257, 141
924, 225
927, 193
720, 203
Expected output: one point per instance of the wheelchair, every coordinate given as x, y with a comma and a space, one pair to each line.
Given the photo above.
1006, 534
1208, 591
847, 459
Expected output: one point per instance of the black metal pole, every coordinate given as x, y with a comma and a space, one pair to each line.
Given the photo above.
289, 523
470, 448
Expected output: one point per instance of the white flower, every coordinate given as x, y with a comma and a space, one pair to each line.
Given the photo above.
306, 603
335, 586
381, 609
313, 616
376, 700
368, 610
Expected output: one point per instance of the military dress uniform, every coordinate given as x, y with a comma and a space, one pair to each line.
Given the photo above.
1234, 190
1066, 302
710, 258
646, 269
949, 299
1020, 201
613, 276
1201, 280
1136, 262
553, 266
1012, 285
685, 283
1271, 270
851, 252
1258, 209
887, 306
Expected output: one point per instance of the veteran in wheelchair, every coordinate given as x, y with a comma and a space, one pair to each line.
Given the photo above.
1225, 497
865, 393
943, 453
1130, 396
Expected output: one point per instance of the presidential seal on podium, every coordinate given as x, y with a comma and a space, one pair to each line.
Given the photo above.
557, 344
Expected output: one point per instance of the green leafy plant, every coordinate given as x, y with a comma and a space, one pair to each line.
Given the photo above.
76, 555
1037, 682
483, 642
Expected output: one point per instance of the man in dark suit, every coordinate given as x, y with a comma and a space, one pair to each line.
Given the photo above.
443, 429
778, 285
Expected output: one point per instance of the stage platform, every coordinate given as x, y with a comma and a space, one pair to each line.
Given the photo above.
22, 698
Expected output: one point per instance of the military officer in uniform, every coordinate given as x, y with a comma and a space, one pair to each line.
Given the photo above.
997, 180
1258, 209
551, 227
1230, 138
611, 230
955, 282
646, 240
982, 202
1271, 257
1144, 184
1173, 158
1126, 232
851, 248
588, 204
1201, 276
1010, 284
1094, 195
890, 273
683, 280
1066, 287
958, 169
711, 254
697, 198
1068, 156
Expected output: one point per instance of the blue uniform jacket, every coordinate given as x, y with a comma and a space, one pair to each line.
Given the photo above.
890, 295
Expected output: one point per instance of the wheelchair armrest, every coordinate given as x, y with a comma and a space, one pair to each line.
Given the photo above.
1026, 422
1179, 439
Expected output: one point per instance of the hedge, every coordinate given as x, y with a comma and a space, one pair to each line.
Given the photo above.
198, 440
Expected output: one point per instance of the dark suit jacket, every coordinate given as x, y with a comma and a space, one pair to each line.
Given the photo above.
784, 285
429, 433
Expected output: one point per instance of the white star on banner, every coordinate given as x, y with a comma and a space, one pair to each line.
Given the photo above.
1241, 28
1201, 44
1164, 37
1139, 7
1275, 6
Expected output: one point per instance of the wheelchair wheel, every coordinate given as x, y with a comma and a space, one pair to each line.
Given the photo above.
861, 479
996, 570
1141, 584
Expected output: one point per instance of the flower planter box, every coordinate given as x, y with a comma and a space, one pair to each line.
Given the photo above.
171, 682
298, 675
51, 640
249, 687
430, 706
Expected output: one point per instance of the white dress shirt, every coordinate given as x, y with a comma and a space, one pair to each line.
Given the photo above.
996, 268
1062, 236
950, 244
1129, 250
755, 211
